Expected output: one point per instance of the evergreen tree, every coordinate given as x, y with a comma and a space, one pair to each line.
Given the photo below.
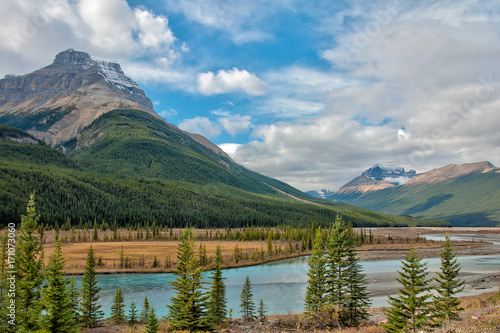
446, 305
316, 284
188, 306
56, 299
118, 307
152, 322
73, 297
132, 315
262, 311
339, 244
91, 313
216, 304
409, 311
145, 310
247, 305
29, 263
357, 300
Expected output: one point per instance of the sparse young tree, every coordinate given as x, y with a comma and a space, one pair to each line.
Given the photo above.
409, 311
90, 311
118, 307
29, 263
446, 305
152, 322
216, 305
188, 306
145, 310
247, 305
315, 298
56, 299
262, 311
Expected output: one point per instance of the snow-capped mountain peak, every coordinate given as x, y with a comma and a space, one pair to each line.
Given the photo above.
390, 172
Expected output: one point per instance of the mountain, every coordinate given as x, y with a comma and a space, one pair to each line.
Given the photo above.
376, 178
464, 195
94, 149
323, 194
55, 102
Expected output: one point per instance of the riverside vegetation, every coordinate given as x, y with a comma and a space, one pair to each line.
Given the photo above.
336, 295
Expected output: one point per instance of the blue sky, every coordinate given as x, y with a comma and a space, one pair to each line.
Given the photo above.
309, 92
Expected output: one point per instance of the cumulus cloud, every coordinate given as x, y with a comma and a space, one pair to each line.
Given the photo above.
229, 81
36, 30
417, 83
236, 124
201, 125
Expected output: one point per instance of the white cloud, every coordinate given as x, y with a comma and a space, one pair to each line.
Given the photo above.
242, 21
229, 81
429, 68
167, 113
153, 30
236, 124
201, 125
230, 148
34, 31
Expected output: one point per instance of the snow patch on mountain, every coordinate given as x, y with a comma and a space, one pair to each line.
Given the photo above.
390, 172
114, 75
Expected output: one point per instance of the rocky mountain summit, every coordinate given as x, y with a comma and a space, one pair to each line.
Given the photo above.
54, 103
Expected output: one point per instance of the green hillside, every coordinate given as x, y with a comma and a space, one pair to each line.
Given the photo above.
86, 187
470, 200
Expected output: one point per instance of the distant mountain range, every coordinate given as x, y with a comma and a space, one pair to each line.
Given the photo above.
86, 139
464, 195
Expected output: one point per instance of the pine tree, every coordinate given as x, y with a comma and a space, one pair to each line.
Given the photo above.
357, 300
409, 311
446, 305
188, 306
262, 311
132, 315
91, 313
152, 322
56, 299
216, 304
29, 263
247, 305
145, 310
339, 244
118, 307
316, 284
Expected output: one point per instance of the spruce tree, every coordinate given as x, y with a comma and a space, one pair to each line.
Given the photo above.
152, 322
357, 299
409, 311
188, 306
132, 315
56, 299
339, 243
446, 305
118, 307
29, 263
216, 304
316, 284
90, 311
145, 310
247, 305
74, 295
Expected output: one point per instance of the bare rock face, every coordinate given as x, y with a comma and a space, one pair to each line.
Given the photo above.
54, 103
